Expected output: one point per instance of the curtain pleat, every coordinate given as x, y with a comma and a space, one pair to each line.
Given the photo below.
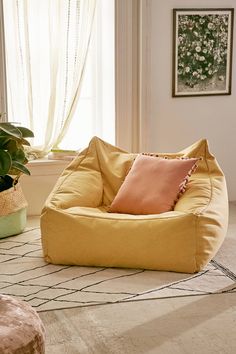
46, 50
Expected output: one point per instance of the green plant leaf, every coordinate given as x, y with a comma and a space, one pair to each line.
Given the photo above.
18, 155
26, 133
23, 141
20, 141
5, 162
11, 130
3, 141
19, 167
2, 133
11, 146
12, 152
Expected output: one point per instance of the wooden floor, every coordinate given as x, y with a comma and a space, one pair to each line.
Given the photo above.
191, 325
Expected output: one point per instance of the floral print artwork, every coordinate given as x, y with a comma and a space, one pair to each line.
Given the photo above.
202, 52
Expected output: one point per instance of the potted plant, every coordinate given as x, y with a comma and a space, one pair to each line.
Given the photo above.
12, 165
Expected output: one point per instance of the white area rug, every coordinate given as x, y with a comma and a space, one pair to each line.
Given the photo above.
24, 273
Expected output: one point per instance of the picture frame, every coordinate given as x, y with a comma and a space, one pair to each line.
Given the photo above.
202, 51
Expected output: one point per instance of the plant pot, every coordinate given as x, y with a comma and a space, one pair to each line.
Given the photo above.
13, 208
13, 224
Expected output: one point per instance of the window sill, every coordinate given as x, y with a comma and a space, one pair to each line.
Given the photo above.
47, 162
45, 167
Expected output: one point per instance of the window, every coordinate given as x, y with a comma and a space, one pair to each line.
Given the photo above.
96, 106
32, 80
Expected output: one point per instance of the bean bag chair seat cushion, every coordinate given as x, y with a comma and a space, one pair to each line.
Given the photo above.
77, 227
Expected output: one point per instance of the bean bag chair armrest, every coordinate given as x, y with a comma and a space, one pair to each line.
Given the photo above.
79, 185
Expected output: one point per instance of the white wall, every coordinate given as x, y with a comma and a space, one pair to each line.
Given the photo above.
174, 123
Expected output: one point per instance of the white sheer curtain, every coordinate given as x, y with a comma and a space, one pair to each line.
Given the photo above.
46, 49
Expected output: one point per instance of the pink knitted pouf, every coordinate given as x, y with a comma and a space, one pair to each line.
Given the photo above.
21, 329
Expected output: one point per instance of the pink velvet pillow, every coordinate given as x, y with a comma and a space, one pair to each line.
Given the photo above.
153, 185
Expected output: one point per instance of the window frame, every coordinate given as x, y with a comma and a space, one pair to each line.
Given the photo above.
127, 73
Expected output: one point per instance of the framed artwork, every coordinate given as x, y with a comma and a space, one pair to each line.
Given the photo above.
202, 52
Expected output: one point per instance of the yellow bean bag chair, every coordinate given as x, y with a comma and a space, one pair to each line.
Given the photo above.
78, 229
